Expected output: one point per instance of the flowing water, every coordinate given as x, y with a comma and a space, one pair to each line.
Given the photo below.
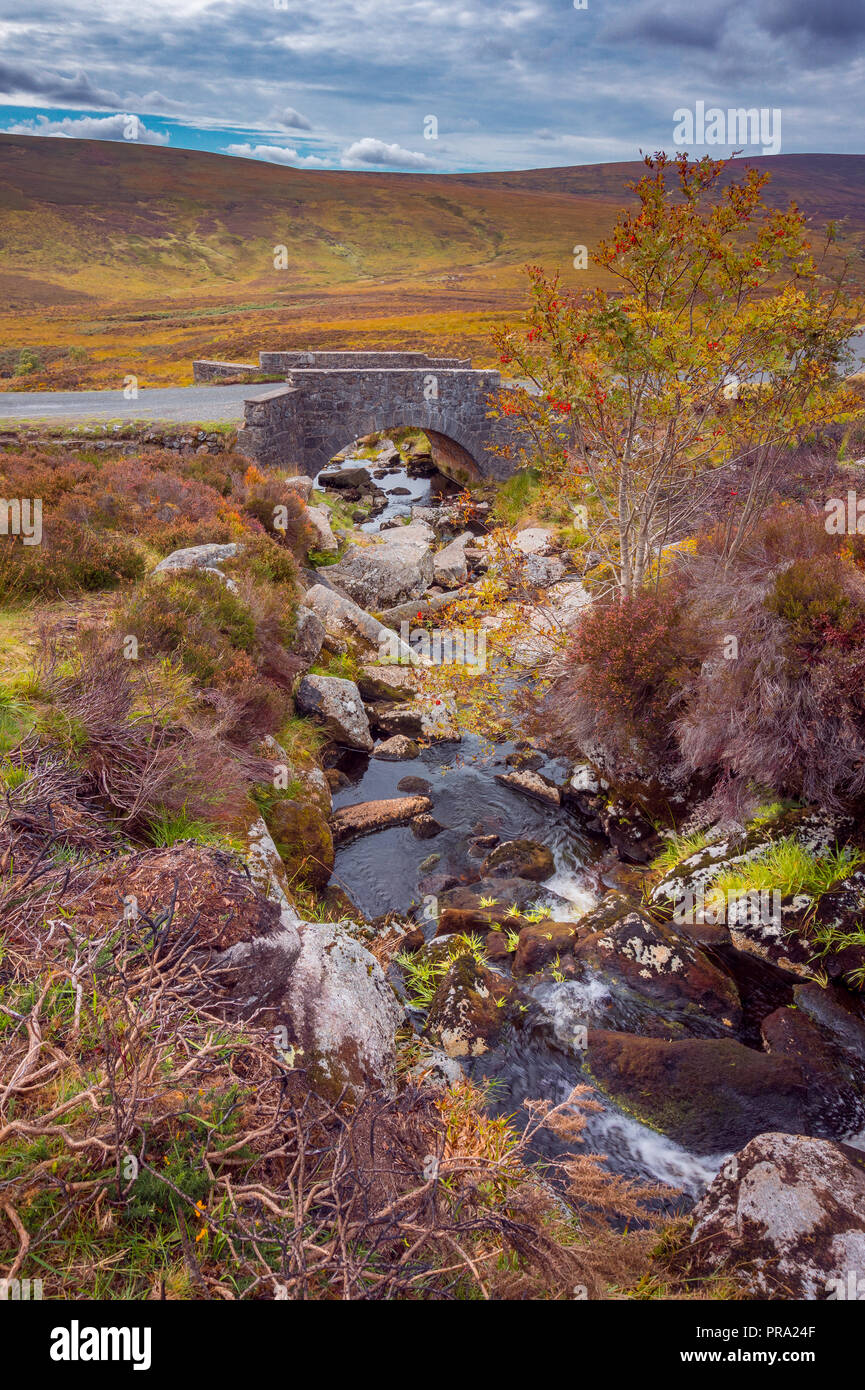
387, 871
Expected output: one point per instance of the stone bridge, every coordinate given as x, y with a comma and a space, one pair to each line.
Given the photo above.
332, 398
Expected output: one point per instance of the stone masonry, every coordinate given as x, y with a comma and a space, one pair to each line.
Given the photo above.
333, 398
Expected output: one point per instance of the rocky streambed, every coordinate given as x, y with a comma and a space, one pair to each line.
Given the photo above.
539, 951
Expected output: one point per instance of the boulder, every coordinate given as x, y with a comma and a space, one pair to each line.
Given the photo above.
397, 749
547, 621
266, 869
534, 540
542, 944
336, 705
449, 564
835, 1078
364, 818
464, 1018
309, 635
662, 984
496, 896
532, 784
542, 571
300, 484
344, 621
303, 840
198, 557
786, 1216
709, 1094
418, 785
387, 682
432, 718
329, 994
426, 827
838, 1012
519, 859
342, 478
394, 567
325, 540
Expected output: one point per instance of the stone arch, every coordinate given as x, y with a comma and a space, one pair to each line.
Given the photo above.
308, 420
451, 457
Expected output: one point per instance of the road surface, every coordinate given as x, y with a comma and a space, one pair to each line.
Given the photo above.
173, 404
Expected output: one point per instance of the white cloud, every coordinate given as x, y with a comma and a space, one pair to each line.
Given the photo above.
369, 151
120, 127
276, 154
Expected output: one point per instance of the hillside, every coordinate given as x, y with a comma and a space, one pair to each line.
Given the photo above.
137, 259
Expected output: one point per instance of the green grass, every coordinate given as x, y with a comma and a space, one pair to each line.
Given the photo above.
677, 848
424, 973
788, 868
173, 827
15, 718
342, 664
517, 496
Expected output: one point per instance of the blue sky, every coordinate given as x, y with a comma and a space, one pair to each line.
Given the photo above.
352, 84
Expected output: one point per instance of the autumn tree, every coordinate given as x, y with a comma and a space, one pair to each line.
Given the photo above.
720, 345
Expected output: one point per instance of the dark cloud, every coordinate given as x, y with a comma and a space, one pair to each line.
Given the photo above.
35, 81
676, 23
828, 20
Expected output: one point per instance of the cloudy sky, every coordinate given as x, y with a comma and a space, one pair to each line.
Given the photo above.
353, 83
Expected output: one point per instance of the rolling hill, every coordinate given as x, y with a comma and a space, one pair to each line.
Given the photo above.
118, 258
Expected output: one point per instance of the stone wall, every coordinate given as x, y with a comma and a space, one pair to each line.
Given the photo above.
286, 361
323, 408
204, 370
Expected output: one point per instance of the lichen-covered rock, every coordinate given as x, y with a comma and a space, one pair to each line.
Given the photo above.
664, 981
786, 1215
300, 484
263, 861
450, 567
325, 540
433, 718
399, 748
309, 635
198, 557
328, 993
344, 621
336, 705
395, 566
465, 1017
387, 682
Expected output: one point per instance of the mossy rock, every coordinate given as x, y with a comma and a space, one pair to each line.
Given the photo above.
302, 836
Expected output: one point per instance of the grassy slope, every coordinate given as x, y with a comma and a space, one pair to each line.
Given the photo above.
147, 257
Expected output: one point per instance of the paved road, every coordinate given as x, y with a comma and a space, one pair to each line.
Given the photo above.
177, 404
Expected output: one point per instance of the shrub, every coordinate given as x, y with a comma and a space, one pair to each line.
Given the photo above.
622, 675
194, 617
277, 508
70, 559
